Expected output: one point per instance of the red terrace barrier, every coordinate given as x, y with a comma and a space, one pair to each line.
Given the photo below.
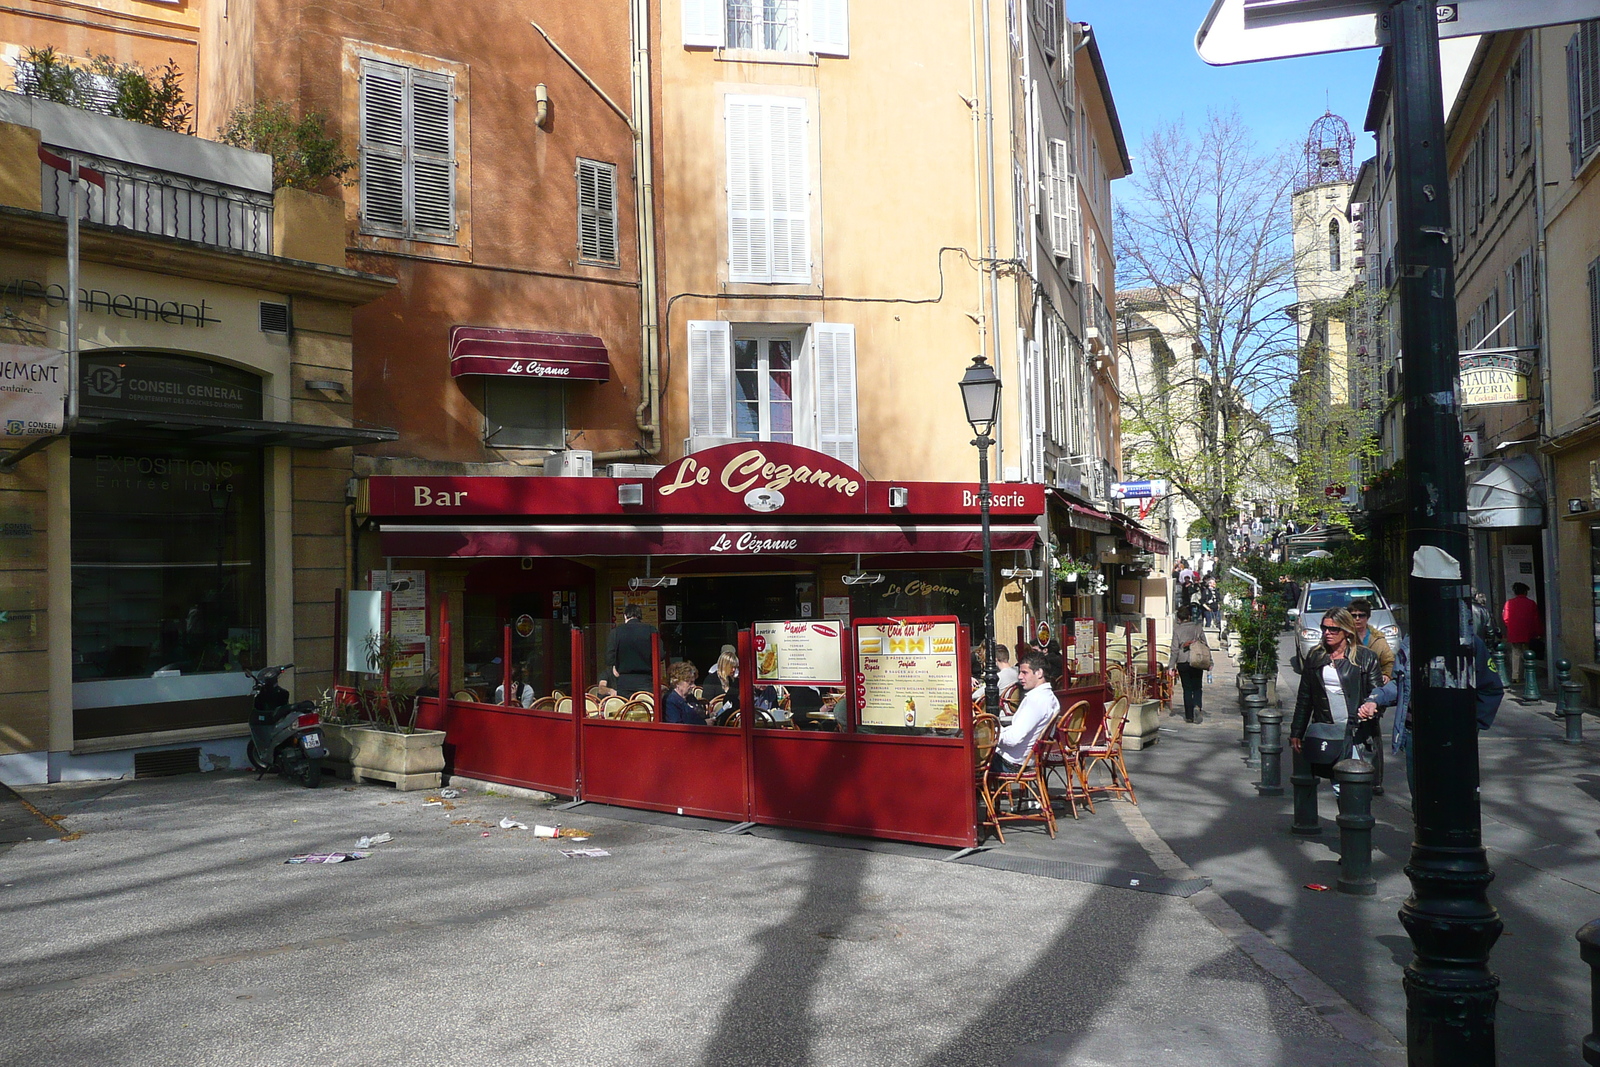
510, 745
694, 770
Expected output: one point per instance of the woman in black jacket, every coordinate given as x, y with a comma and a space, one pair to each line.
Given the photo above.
1335, 680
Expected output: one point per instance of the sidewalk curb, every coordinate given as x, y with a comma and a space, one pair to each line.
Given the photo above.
1350, 1022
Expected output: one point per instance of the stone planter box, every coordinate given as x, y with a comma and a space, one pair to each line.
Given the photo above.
1144, 725
409, 761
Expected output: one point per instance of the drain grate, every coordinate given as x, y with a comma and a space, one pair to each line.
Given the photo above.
1067, 871
166, 762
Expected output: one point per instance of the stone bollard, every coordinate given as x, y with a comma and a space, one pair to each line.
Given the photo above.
1305, 798
1354, 778
1271, 782
1589, 950
1530, 677
1254, 705
1570, 701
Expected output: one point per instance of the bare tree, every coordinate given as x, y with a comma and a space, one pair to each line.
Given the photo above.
1206, 247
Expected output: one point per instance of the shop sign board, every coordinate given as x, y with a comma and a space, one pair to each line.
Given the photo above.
910, 672
168, 385
1085, 645
758, 477
799, 652
408, 618
1494, 379
33, 390
1142, 490
528, 354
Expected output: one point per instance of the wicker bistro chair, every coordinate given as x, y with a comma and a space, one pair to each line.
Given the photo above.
1107, 749
1010, 698
985, 732
1059, 752
545, 704
634, 711
613, 707
1026, 783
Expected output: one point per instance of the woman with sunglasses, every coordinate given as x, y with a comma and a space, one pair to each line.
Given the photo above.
1335, 680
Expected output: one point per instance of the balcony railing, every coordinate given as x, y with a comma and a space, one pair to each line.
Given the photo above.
147, 200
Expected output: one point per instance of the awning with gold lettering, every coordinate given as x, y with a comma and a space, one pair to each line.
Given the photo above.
528, 354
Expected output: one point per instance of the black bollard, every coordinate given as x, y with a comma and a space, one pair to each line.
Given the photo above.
1354, 778
1589, 949
1271, 782
1254, 704
1530, 677
1570, 701
1305, 798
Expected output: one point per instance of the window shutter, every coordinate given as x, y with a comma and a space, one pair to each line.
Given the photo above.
1574, 108
1594, 324
769, 218
433, 154
1063, 206
749, 252
703, 24
1036, 390
1588, 87
834, 360
597, 211
1525, 98
827, 26
383, 94
791, 214
710, 379
1491, 145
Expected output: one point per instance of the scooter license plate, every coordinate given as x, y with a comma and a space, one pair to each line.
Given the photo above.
311, 740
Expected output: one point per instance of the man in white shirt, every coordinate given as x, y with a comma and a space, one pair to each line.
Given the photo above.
1002, 661
1039, 705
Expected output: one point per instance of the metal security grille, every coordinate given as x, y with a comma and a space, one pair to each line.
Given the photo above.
274, 317
167, 762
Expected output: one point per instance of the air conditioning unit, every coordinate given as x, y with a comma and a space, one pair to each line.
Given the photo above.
574, 463
632, 470
701, 442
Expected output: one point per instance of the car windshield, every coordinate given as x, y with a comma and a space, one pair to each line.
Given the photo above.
1340, 596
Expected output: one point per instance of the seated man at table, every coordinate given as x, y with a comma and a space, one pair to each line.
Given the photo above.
1039, 705
677, 707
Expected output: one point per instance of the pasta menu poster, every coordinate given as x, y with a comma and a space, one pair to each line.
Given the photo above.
909, 672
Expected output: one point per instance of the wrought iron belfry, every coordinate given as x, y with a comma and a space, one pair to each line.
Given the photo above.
1330, 152
1450, 991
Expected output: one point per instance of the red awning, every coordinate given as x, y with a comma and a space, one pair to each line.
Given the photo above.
714, 540
528, 354
1142, 539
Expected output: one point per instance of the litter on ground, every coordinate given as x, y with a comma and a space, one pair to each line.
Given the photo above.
327, 857
368, 842
570, 853
508, 823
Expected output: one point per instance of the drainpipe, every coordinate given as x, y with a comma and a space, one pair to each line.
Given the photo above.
993, 252
1548, 538
647, 415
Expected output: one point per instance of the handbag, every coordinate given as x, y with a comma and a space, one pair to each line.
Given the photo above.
1199, 655
1325, 743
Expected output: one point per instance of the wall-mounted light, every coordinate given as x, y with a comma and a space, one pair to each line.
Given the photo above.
630, 494
1576, 504
318, 385
541, 105
899, 496
652, 583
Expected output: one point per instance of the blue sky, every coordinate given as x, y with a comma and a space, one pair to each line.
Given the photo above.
1148, 48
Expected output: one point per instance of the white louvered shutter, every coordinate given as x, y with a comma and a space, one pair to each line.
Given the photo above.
710, 379
433, 163
383, 171
597, 211
828, 27
1060, 188
703, 23
1036, 393
768, 188
834, 360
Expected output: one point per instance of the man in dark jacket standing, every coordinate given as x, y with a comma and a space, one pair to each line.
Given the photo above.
628, 653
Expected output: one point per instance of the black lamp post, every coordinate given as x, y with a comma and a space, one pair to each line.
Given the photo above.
980, 392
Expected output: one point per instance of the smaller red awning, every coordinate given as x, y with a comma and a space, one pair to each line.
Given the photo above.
528, 354
1142, 539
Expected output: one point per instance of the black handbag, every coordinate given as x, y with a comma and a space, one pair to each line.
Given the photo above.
1325, 743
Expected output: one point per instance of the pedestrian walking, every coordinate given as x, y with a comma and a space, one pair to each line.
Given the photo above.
1524, 625
1185, 635
1211, 603
1336, 681
1361, 614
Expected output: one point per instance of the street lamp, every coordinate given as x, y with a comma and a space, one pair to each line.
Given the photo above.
980, 392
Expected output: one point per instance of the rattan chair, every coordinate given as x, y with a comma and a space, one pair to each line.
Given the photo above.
635, 711
469, 695
985, 732
564, 706
1058, 747
1011, 698
547, 704
644, 695
612, 707
1003, 792
1107, 750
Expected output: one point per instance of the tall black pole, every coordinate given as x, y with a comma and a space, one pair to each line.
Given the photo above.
991, 678
1450, 991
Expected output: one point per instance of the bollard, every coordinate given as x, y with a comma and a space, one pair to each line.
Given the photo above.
1570, 701
1530, 677
1500, 668
1305, 798
1589, 950
1354, 778
1254, 705
1271, 782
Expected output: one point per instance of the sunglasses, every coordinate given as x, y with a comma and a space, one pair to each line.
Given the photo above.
1360, 615
1333, 629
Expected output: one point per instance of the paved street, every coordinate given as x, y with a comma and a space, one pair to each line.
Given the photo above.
684, 946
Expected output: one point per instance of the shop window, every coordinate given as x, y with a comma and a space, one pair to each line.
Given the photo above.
524, 413
1594, 584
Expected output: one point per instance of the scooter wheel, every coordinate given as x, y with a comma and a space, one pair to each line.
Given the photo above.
254, 757
313, 774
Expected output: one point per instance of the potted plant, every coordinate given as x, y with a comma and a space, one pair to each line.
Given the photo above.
376, 735
1144, 714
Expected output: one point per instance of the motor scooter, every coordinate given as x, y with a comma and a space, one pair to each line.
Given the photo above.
284, 737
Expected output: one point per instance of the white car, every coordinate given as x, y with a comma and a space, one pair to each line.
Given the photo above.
1319, 597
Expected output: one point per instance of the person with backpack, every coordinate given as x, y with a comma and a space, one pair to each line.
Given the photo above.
1192, 657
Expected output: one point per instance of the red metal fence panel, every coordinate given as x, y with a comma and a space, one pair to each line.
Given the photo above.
511, 745
693, 770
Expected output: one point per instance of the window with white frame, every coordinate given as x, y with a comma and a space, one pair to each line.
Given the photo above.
597, 211
775, 383
408, 180
818, 27
769, 194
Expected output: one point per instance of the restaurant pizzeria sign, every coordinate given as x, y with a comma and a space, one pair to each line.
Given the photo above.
1494, 379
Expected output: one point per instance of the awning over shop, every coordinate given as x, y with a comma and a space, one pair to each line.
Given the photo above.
1140, 538
214, 430
1509, 493
1083, 518
528, 354
685, 539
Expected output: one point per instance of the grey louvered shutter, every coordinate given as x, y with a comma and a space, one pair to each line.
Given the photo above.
597, 211
383, 177
433, 163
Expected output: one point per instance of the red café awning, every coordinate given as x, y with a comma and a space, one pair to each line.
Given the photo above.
528, 354
696, 539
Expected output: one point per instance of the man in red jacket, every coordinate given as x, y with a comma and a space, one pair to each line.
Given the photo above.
1523, 624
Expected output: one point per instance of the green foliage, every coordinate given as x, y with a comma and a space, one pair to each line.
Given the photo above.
1257, 624
108, 87
304, 154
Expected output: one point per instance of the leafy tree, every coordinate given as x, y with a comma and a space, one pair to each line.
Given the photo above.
304, 154
108, 87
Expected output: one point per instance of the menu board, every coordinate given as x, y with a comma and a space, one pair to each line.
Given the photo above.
799, 652
408, 617
909, 672
1086, 645
649, 601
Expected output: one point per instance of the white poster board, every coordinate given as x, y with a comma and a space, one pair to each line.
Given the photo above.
799, 652
908, 673
33, 391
